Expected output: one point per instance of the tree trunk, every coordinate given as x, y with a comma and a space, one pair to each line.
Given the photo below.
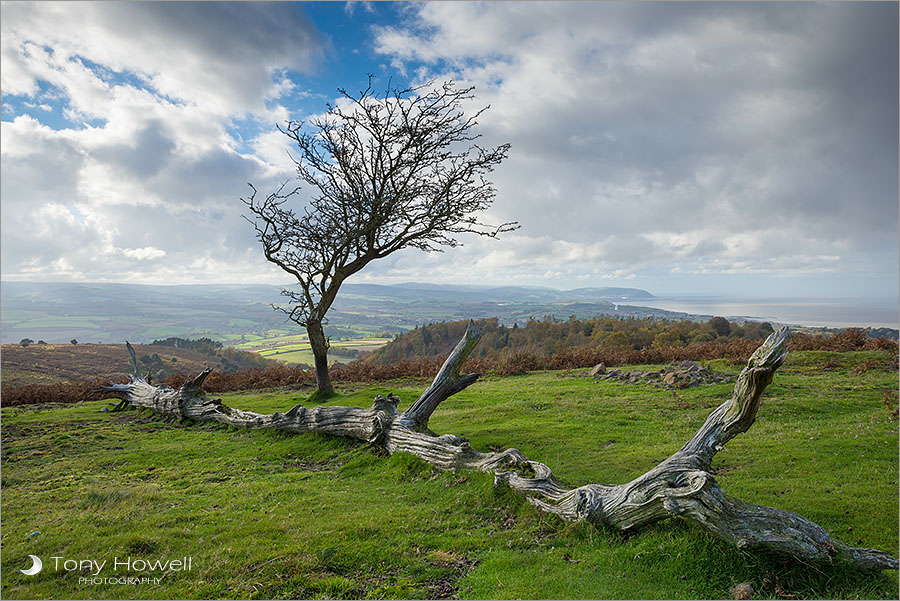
681, 486
319, 345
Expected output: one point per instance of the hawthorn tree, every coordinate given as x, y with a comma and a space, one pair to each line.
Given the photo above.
386, 171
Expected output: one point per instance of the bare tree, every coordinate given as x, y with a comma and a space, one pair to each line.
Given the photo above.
387, 171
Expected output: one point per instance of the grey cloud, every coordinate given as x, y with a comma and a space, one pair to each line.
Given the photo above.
226, 34
822, 144
208, 180
703, 120
218, 54
47, 173
152, 149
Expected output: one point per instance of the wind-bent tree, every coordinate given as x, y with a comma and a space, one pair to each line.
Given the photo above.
386, 172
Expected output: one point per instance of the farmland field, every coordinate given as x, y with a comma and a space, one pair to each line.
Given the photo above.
294, 348
264, 514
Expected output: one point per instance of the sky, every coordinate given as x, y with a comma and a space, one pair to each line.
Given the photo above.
721, 148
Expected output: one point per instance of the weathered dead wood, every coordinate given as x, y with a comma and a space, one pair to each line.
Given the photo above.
446, 383
681, 486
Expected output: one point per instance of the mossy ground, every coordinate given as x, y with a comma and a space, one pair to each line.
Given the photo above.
264, 514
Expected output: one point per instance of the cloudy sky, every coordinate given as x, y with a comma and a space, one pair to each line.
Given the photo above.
715, 148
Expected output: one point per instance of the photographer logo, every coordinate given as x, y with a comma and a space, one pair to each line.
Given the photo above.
36, 566
94, 571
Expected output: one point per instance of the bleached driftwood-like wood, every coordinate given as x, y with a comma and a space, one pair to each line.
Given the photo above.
681, 486
446, 383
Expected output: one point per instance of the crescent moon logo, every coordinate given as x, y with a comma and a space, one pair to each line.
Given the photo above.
36, 567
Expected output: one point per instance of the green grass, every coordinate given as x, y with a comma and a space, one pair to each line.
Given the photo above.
298, 356
294, 348
264, 514
56, 322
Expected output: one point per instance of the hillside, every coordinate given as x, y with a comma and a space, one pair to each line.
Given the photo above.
113, 313
550, 336
343, 521
545, 345
53, 363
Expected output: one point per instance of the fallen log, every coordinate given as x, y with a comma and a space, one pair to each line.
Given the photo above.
682, 486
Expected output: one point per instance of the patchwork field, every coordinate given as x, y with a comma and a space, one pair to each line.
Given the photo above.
263, 514
295, 348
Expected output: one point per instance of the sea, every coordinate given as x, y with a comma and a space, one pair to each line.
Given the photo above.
812, 312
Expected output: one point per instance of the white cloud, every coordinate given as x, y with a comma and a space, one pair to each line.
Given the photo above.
221, 56
275, 149
711, 137
145, 177
350, 6
144, 254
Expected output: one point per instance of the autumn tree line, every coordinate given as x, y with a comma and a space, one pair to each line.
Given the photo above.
550, 336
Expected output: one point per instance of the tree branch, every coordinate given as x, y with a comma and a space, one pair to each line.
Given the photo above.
447, 383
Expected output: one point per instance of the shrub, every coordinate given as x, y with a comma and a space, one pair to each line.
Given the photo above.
720, 326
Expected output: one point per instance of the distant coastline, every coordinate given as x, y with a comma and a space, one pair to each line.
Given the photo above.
813, 312
58, 312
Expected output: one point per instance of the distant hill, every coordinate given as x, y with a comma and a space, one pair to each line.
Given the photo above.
112, 313
495, 294
59, 312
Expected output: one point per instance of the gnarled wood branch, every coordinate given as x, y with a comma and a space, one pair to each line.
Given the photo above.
681, 486
446, 383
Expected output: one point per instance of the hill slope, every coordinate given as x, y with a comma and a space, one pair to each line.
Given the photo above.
52, 363
551, 336
112, 313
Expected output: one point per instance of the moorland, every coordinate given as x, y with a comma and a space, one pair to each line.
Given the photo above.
267, 515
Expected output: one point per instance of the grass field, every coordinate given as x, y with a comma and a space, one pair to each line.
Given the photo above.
264, 514
294, 348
